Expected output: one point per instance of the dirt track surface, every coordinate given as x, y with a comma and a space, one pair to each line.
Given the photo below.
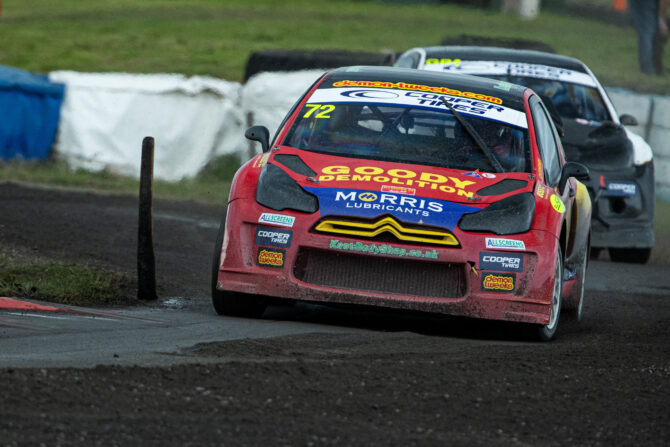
383, 379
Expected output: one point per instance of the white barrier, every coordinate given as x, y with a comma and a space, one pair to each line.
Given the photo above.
104, 118
653, 115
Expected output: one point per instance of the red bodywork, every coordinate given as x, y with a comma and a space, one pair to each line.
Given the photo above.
311, 269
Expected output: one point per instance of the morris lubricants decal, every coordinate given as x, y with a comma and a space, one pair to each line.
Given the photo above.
400, 177
499, 68
418, 99
359, 203
498, 282
381, 249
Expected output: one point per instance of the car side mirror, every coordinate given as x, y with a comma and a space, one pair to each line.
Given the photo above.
628, 120
572, 169
260, 134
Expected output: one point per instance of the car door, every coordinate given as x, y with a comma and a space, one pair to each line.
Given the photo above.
553, 159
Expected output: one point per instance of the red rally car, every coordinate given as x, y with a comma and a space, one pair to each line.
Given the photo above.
413, 190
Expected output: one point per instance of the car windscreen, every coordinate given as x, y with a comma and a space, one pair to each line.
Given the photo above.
571, 100
408, 134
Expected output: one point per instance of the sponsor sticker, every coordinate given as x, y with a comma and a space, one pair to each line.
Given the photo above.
466, 103
261, 160
621, 189
557, 203
400, 177
417, 87
498, 282
501, 262
270, 257
515, 69
399, 190
508, 244
419, 210
541, 190
274, 237
277, 219
382, 249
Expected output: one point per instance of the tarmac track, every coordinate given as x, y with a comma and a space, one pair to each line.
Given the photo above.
174, 373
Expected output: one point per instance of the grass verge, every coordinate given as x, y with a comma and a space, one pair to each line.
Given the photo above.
58, 282
211, 185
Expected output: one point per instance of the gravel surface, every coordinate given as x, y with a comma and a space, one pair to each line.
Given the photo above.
405, 380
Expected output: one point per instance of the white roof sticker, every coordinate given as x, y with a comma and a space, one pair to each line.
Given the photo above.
467, 106
512, 68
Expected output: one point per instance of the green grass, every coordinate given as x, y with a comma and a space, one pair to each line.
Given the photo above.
211, 185
58, 282
216, 37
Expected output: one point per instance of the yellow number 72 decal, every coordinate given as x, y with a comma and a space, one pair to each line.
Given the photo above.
325, 109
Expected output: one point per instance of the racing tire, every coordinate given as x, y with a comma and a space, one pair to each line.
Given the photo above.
548, 331
631, 255
575, 310
231, 303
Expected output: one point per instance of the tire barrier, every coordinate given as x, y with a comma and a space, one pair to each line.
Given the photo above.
292, 60
502, 42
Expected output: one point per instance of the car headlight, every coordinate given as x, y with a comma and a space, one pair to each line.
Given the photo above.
511, 215
277, 190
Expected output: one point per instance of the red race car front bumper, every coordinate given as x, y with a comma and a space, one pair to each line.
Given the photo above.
331, 268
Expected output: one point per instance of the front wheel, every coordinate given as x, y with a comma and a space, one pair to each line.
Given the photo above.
632, 255
548, 331
231, 303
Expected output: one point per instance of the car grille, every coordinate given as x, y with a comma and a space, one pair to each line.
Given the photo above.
387, 228
386, 275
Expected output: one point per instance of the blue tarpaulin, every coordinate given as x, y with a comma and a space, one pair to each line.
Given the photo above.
29, 113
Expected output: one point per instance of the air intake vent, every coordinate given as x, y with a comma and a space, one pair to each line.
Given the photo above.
295, 164
383, 275
502, 187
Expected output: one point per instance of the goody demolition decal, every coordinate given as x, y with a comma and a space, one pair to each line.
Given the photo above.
507, 244
500, 68
500, 262
274, 237
355, 202
277, 219
269, 257
381, 249
621, 189
401, 177
420, 99
498, 282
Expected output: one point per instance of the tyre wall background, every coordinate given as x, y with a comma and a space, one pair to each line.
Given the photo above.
292, 60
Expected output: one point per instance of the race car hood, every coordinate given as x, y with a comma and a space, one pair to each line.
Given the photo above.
418, 194
599, 145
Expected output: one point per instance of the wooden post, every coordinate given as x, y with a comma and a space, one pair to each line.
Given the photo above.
250, 122
146, 261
